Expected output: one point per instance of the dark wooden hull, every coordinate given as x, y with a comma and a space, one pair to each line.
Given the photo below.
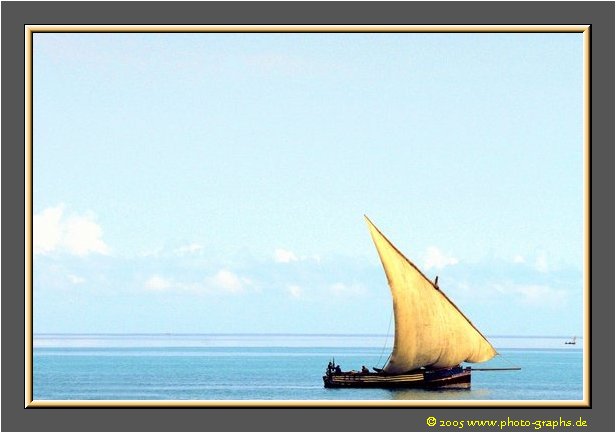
452, 378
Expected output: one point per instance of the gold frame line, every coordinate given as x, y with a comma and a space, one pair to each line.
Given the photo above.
28, 307
223, 28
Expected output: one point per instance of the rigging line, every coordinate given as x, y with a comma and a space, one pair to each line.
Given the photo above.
508, 361
385, 363
386, 337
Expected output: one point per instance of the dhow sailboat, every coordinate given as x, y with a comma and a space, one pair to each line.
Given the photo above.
432, 336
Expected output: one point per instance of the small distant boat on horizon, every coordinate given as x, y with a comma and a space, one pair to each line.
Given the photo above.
572, 341
432, 336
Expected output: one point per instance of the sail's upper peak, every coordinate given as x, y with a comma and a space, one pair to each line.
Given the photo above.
374, 231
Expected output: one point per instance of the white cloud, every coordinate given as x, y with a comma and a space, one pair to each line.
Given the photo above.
295, 291
534, 294
77, 234
341, 289
541, 295
47, 230
157, 283
284, 256
154, 252
189, 249
435, 258
464, 287
229, 282
223, 281
519, 259
83, 236
75, 279
541, 263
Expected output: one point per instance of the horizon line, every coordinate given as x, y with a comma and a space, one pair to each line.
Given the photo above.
270, 334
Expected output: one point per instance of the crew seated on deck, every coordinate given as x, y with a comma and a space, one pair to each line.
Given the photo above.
333, 368
364, 370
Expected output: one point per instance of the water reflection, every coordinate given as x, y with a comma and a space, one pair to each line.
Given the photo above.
443, 394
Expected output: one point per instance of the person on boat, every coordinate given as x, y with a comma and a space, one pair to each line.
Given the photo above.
337, 369
364, 370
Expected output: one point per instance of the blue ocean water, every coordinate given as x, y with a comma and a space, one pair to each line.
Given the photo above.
277, 367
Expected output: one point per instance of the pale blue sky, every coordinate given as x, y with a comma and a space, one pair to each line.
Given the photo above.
217, 182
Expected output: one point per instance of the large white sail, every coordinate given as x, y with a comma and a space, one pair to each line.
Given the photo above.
430, 330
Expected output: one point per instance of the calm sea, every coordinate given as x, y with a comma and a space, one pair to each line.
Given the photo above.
277, 367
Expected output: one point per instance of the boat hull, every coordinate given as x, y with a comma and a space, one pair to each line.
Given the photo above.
449, 378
